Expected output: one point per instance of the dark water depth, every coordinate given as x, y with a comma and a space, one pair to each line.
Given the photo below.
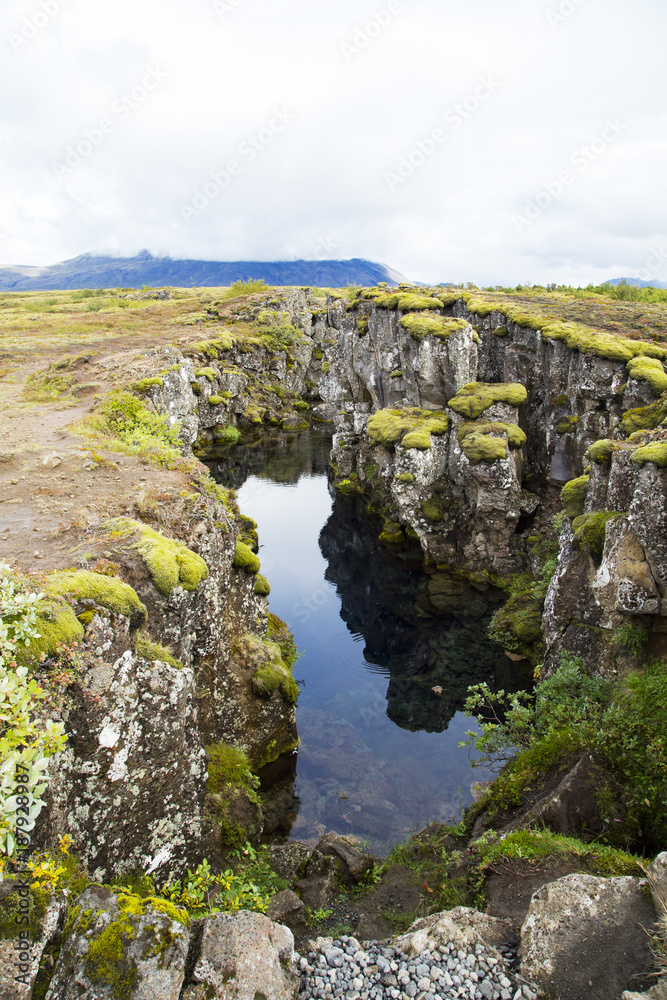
382, 681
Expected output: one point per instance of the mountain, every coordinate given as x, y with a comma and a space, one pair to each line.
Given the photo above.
99, 271
638, 283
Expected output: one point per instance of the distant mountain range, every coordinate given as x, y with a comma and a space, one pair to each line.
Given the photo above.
97, 271
638, 283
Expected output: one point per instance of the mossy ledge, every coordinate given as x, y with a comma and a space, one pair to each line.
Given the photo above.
421, 324
107, 591
474, 398
484, 441
654, 452
269, 671
170, 563
408, 426
407, 302
648, 370
590, 530
573, 496
245, 558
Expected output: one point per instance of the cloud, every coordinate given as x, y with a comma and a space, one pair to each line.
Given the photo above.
152, 101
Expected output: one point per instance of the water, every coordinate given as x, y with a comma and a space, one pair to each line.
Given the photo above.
382, 679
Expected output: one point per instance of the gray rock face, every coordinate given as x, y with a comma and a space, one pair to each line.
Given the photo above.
121, 946
244, 956
587, 937
657, 876
20, 957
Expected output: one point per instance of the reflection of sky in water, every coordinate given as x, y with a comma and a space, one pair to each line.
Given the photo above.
357, 771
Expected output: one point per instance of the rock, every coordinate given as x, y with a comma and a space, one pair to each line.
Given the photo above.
52, 460
122, 946
286, 908
463, 927
657, 876
351, 863
242, 956
20, 957
289, 860
587, 937
657, 992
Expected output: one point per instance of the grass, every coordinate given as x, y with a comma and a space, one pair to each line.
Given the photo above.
123, 423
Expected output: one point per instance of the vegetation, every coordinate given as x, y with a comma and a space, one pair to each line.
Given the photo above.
408, 426
573, 496
649, 370
153, 651
485, 441
407, 302
107, 591
600, 451
421, 324
472, 399
245, 558
590, 530
170, 563
654, 452
122, 422
517, 625
643, 418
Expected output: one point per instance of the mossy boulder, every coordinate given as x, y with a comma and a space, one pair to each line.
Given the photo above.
208, 373
423, 324
269, 672
643, 418
407, 302
649, 370
169, 562
573, 496
406, 478
245, 558
408, 426
262, 586
57, 626
567, 425
107, 591
474, 398
392, 534
144, 386
233, 794
484, 441
601, 450
590, 530
154, 652
654, 452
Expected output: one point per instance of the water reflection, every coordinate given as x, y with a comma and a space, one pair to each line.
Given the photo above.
388, 652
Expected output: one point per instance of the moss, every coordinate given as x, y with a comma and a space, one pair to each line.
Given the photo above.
215, 400
170, 563
654, 452
153, 651
407, 302
567, 425
211, 348
600, 451
517, 626
13, 914
588, 341
248, 532
348, 487
362, 326
145, 385
648, 370
573, 496
484, 448
57, 626
405, 477
245, 558
539, 844
269, 671
501, 331
515, 436
392, 534
397, 374
107, 591
409, 426
209, 373
262, 586
227, 394
643, 418
432, 510
230, 766
227, 434
590, 529
472, 399
420, 325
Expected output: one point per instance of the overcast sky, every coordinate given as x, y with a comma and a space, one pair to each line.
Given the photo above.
464, 140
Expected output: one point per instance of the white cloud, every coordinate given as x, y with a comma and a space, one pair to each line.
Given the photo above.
222, 72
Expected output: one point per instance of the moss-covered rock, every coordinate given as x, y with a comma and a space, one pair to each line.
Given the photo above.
170, 563
208, 373
515, 436
262, 586
233, 790
144, 385
567, 425
654, 452
590, 530
573, 496
406, 478
600, 451
422, 324
643, 418
484, 448
245, 558
407, 302
155, 652
392, 534
269, 671
107, 591
215, 400
408, 426
57, 626
475, 397
649, 370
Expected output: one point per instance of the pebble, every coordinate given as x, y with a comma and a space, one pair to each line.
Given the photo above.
346, 970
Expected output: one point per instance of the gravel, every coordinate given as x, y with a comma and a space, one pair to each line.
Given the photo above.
344, 969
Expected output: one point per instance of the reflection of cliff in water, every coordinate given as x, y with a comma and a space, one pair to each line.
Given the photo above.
281, 456
427, 633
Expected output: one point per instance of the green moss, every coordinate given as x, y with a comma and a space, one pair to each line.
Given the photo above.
517, 626
539, 844
153, 651
484, 448
230, 766
600, 451
590, 529
648, 370
392, 534
397, 374
14, 909
409, 426
643, 418
405, 477
107, 591
420, 325
567, 425
573, 496
348, 487
262, 586
245, 558
407, 302
501, 331
215, 400
362, 326
170, 563
209, 373
654, 452
515, 436
472, 399
432, 510
586, 340
227, 394
269, 671
57, 626
145, 385
122, 422
226, 433
211, 348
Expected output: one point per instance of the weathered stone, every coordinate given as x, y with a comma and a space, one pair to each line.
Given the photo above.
20, 957
587, 937
657, 877
244, 956
657, 992
286, 908
462, 926
121, 946
351, 863
289, 860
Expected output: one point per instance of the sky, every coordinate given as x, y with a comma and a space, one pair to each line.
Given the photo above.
477, 140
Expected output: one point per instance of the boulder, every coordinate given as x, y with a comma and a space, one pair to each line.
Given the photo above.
351, 863
657, 992
463, 927
286, 908
244, 956
587, 937
122, 946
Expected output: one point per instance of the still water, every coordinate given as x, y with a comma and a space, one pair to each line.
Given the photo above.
382, 682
